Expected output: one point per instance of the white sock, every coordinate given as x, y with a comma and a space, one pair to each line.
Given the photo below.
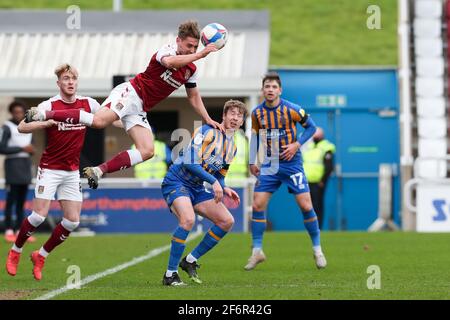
16, 248
42, 116
135, 156
190, 258
69, 225
99, 171
169, 273
42, 252
35, 219
256, 250
317, 250
86, 118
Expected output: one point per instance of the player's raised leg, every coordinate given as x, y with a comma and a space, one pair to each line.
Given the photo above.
312, 226
29, 225
182, 208
258, 226
101, 119
70, 222
143, 139
223, 222
127, 106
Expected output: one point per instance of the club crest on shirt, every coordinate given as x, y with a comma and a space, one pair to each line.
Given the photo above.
41, 189
198, 139
118, 106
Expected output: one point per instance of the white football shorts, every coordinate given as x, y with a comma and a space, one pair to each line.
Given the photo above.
65, 184
126, 103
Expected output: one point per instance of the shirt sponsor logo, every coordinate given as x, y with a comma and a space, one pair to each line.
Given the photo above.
215, 162
273, 133
167, 77
69, 127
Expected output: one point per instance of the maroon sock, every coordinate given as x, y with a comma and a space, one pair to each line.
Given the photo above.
68, 116
58, 236
26, 230
119, 162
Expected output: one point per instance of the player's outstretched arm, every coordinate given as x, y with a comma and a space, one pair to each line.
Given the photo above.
178, 61
196, 102
33, 126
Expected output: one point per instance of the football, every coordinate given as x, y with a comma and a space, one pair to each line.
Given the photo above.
214, 33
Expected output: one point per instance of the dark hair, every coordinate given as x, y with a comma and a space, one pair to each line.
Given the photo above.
272, 76
189, 28
16, 103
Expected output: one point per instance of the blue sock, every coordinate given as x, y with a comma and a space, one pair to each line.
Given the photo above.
178, 245
211, 238
258, 227
312, 225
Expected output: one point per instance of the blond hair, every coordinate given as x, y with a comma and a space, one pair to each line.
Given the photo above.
189, 28
230, 104
65, 67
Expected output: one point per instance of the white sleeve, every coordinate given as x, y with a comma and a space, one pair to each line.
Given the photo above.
193, 78
45, 106
167, 50
94, 105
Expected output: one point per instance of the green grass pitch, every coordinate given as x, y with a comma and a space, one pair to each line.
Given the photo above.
412, 266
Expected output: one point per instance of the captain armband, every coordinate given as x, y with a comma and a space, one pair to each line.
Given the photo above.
190, 85
305, 118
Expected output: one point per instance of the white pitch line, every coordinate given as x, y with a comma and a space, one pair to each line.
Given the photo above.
88, 279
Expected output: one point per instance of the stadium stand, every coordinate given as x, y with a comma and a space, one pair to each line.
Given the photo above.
109, 44
430, 85
424, 31
29, 51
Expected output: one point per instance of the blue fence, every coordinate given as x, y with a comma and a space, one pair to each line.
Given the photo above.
358, 109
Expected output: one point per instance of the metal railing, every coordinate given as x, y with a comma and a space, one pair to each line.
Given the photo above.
410, 185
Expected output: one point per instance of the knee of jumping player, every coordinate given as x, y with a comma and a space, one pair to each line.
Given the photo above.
147, 152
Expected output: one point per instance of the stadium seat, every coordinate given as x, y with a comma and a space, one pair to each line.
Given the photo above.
429, 87
427, 28
430, 168
430, 67
432, 128
431, 107
428, 8
432, 147
428, 47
